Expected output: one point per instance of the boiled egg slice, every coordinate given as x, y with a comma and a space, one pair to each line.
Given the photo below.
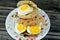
34, 29
20, 28
24, 9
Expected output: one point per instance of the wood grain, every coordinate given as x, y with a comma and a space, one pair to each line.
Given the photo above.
4, 36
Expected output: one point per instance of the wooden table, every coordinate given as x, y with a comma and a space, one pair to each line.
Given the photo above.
51, 7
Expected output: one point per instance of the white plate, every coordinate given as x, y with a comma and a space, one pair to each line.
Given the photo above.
10, 24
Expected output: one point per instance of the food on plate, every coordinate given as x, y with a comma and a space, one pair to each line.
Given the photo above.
28, 22
33, 25
20, 28
27, 9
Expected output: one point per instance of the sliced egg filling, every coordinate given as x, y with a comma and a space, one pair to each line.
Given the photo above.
24, 9
34, 29
20, 28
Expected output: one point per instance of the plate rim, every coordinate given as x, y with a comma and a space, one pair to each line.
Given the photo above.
38, 9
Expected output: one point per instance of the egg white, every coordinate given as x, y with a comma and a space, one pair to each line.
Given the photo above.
28, 10
28, 30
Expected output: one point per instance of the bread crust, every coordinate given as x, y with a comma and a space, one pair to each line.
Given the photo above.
33, 21
33, 13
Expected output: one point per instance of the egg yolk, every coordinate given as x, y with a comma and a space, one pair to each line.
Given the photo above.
20, 27
23, 7
34, 29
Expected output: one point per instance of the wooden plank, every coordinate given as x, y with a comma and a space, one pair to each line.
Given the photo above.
54, 33
8, 3
2, 19
2, 24
2, 29
48, 4
52, 12
3, 16
4, 12
6, 8
4, 36
52, 37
